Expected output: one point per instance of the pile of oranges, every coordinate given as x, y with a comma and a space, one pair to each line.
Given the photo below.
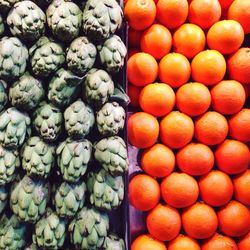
189, 75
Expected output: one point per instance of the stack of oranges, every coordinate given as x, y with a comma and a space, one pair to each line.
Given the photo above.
189, 75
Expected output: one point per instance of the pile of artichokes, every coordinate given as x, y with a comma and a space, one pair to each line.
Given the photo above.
62, 115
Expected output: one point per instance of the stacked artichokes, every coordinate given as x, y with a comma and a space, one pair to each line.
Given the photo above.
62, 113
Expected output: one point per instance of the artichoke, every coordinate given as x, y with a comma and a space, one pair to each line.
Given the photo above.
14, 128
73, 158
48, 121
13, 233
9, 162
112, 154
26, 93
38, 157
89, 229
28, 199
110, 119
1, 24
112, 54
98, 87
46, 57
107, 192
101, 18
63, 88
49, 231
6, 5
3, 198
13, 58
81, 55
113, 242
69, 199
79, 119
3, 95
26, 21
65, 20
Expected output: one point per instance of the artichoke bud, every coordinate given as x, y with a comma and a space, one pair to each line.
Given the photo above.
112, 155
107, 192
73, 158
3, 95
4, 193
113, 242
89, 229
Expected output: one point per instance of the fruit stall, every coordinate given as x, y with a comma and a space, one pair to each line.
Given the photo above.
124, 125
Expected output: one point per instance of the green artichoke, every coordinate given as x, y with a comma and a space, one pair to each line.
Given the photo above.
3, 95
113, 242
14, 128
47, 56
63, 88
38, 157
110, 119
73, 158
69, 199
9, 163
28, 199
50, 231
31, 247
79, 119
1, 25
107, 192
98, 87
13, 58
6, 5
64, 19
112, 54
26, 93
3, 197
48, 121
112, 154
101, 18
81, 55
13, 233
26, 21
89, 229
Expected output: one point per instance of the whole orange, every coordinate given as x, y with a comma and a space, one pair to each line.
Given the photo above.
183, 242
157, 99
143, 130
144, 192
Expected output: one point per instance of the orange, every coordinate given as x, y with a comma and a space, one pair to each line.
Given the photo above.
158, 161
189, 40
147, 242
134, 93
240, 11
140, 14
143, 130
182, 242
164, 222
225, 3
204, 12
156, 41
172, 13
226, 36
144, 192
174, 69
195, 159
234, 219
244, 242
176, 130
232, 157
219, 242
193, 99
238, 66
142, 69
133, 51
211, 128
157, 99
242, 187
208, 67
199, 221
179, 190
228, 97
216, 188
239, 125
134, 37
